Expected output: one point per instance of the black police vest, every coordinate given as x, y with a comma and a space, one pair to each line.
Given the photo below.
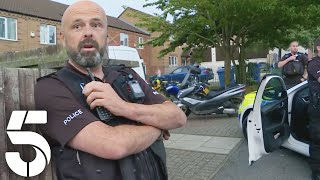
72, 164
293, 68
313, 83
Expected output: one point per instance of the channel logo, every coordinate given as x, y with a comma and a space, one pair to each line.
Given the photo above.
19, 137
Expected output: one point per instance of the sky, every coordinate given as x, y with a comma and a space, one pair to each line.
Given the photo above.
115, 7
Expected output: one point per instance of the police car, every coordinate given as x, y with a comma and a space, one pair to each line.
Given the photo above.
275, 117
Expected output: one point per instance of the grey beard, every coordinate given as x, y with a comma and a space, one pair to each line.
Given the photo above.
86, 60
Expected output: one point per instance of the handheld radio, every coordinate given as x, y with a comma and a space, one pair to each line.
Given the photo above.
103, 113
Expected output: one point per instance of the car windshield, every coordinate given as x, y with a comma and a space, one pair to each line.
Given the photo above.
179, 70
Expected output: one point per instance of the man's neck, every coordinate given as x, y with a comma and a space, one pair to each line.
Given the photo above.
96, 71
293, 53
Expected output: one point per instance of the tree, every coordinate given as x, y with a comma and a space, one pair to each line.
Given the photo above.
230, 24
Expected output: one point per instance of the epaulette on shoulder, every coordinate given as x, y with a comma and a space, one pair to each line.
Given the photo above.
287, 55
120, 68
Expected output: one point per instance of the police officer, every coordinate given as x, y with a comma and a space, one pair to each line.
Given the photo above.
314, 112
85, 145
293, 66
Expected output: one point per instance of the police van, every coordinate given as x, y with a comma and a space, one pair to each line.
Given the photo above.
124, 53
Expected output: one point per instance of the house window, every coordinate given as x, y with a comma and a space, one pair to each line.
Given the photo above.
8, 28
172, 61
140, 42
47, 34
124, 39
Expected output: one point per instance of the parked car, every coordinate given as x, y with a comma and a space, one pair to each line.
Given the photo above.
179, 73
273, 117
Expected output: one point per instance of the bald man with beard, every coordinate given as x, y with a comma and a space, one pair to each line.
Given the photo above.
84, 146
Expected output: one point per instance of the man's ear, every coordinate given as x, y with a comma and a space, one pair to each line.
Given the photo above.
62, 38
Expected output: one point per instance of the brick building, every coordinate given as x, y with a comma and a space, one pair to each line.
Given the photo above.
164, 64
30, 24
121, 33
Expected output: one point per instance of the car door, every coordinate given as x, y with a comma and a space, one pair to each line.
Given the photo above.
182, 74
268, 125
177, 74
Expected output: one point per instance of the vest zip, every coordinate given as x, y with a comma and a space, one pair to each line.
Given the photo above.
78, 158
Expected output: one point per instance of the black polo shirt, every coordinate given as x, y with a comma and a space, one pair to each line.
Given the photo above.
67, 117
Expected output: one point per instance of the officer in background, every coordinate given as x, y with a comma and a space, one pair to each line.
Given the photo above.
314, 112
293, 66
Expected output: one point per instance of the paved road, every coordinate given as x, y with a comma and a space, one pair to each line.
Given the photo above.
187, 162
280, 165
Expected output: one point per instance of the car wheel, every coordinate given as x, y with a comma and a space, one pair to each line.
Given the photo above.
244, 127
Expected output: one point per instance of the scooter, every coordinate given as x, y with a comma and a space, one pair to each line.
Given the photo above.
200, 101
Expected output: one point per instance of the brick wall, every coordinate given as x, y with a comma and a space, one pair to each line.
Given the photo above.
145, 53
26, 25
156, 63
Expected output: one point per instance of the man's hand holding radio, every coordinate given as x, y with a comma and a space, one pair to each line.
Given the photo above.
291, 58
101, 94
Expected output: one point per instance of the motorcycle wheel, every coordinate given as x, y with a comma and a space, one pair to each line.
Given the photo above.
236, 102
186, 110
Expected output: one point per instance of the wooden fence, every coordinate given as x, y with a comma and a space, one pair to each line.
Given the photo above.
38, 52
17, 93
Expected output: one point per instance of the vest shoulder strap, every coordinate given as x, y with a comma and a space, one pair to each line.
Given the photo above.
74, 82
112, 72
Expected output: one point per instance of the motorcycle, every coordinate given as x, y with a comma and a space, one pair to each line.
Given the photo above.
199, 100
165, 88
171, 89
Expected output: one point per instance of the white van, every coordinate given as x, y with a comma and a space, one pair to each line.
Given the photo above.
128, 54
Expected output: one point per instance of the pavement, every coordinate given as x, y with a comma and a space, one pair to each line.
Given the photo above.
213, 148
212, 125
198, 150
209, 144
